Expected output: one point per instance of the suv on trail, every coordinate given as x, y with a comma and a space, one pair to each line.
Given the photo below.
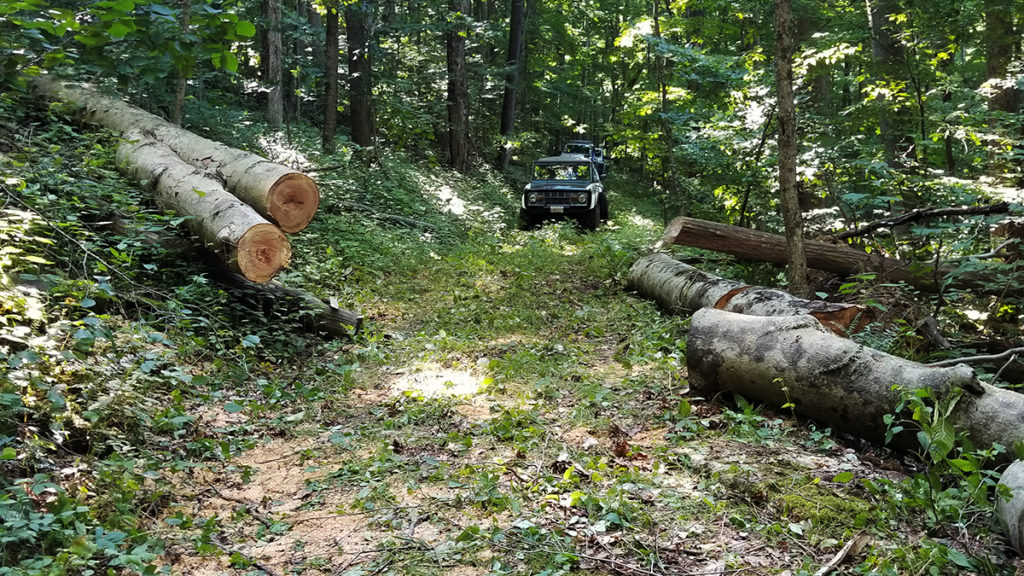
566, 186
587, 148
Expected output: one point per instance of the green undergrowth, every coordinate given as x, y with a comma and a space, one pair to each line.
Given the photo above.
509, 408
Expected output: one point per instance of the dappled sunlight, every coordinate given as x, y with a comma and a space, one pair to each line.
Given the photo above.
450, 202
437, 382
279, 150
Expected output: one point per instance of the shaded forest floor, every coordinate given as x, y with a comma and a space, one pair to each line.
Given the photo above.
510, 407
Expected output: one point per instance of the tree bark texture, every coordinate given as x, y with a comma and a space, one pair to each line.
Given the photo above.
185, 20
275, 97
848, 386
284, 196
331, 79
999, 40
838, 258
231, 229
360, 72
512, 66
458, 90
682, 289
796, 269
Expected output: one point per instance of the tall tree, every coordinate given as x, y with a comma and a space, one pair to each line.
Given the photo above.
275, 100
358, 30
331, 49
512, 67
999, 41
896, 125
796, 271
458, 90
185, 20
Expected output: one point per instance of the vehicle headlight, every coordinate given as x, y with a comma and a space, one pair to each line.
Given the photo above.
582, 198
532, 198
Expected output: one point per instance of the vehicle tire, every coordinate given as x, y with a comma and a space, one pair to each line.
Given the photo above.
602, 202
527, 221
592, 219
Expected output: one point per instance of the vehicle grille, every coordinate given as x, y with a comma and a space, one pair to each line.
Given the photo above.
560, 196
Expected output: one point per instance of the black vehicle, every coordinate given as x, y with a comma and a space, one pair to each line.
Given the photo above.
587, 148
566, 186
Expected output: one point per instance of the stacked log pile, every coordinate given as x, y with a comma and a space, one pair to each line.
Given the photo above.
238, 204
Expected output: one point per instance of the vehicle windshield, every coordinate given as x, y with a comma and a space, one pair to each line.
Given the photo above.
561, 172
577, 149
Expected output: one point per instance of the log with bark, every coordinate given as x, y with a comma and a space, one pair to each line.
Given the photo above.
243, 240
795, 361
839, 258
318, 316
679, 288
284, 196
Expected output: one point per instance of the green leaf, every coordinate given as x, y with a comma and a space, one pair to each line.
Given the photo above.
964, 465
245, 28
119, 30
843, 477
233, 408
8, 454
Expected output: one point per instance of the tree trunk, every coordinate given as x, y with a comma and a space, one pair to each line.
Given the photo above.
331, 79
889, 56
275, 99
512, 68
242, 239
360, 69
682, 289
999, 39
796, 362
458, 91
796, 269
278, 193
838, 258
178, 115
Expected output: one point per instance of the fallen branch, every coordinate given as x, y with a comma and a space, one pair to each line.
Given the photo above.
853, 547
680, 288
979, 359
839, 258
922, 214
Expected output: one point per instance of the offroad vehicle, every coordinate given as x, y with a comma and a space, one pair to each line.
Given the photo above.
587, 148
566, 186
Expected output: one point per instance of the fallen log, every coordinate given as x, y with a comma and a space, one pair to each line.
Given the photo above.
839, 258
318, 316
794, 361
242, 239
286, 197
682, 289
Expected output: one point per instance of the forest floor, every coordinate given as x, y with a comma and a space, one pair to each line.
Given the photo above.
509, 408
514, 409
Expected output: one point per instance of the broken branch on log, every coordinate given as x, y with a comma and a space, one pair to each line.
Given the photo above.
284, 196
795, 361
680, 288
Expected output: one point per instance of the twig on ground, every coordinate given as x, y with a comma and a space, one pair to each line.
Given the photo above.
977, 359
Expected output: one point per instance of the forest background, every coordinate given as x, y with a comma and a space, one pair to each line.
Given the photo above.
133, 382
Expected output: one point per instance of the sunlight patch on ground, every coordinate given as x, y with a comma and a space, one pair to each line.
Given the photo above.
280, 151
438, 382
450, 201
640, 220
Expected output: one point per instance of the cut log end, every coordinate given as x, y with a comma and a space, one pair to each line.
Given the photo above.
292, 201
262, 252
